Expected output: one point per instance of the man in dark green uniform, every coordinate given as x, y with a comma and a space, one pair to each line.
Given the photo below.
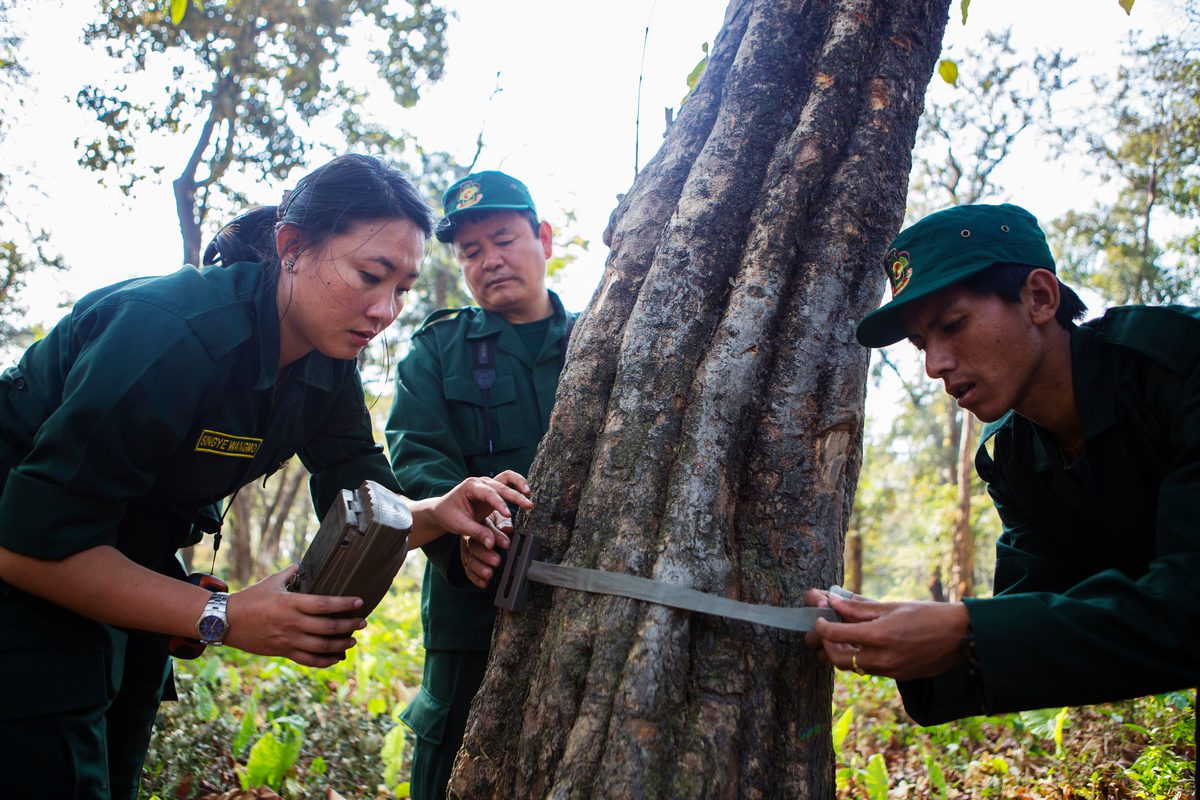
473, 396
1092, 457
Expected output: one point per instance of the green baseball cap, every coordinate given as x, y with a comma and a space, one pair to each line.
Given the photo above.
481, 191
945, 248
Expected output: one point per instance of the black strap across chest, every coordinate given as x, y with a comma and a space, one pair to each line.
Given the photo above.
483, 372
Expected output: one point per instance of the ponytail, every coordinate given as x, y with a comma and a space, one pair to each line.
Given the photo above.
249, 237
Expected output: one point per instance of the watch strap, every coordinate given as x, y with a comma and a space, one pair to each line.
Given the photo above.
213, 625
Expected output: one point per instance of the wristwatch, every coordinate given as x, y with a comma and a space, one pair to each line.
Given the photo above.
213, 625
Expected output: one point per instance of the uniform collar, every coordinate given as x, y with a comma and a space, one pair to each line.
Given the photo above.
313, 369
488, 324
1094, 397
266, 320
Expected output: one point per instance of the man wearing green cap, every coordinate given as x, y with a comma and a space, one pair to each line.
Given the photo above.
473, 397
1092, 457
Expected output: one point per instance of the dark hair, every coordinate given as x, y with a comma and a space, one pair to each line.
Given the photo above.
327, 201
1007, 280
447, 228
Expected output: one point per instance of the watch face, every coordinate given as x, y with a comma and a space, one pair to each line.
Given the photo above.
211, 628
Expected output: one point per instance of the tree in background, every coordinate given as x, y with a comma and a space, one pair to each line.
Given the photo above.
22, 247
253, 76
256, 78
974, 115
1143, 137
707, 429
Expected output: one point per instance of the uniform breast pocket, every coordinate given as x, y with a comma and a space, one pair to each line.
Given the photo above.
467, 413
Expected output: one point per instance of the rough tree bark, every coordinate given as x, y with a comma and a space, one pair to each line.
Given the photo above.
708, 426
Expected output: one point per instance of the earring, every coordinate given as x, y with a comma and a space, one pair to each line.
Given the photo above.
290, 265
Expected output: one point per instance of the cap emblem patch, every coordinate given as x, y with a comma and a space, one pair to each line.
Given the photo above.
468, 195
898, 270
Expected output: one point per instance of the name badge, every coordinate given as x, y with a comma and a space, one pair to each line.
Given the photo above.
226, 444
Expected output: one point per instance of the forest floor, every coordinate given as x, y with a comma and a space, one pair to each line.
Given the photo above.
251, 728
1143, 748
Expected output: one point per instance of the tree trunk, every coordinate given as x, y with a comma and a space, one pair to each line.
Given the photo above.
185, 187
953, 442
708, 427
240, 537
854, 563
291, 479
962, 564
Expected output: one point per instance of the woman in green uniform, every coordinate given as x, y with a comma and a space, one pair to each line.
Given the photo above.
152, 401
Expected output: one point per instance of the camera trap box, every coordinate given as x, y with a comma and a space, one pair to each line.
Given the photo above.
358, 549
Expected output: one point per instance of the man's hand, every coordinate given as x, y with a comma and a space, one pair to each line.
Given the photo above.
479, 561
904, 641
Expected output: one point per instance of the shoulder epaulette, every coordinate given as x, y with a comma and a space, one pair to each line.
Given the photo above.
1167, 334
442, 315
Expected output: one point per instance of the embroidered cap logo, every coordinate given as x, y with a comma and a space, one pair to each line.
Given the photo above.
898, 270
468, 195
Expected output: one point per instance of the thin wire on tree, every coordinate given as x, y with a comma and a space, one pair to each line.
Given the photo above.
637, 117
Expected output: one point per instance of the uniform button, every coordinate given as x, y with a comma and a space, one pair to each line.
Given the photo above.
19, 383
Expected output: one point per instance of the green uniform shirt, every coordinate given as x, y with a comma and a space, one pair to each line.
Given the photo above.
1098, 566
157, 396
436, 438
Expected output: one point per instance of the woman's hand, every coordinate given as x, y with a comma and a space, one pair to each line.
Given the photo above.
269, 620
904, 641
464, 508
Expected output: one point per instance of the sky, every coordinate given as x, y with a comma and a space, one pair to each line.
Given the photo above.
563, 119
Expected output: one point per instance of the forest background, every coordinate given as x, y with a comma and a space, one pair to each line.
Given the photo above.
1081, 112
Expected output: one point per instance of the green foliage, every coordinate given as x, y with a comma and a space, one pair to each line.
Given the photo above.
248, 727
948, 70
876, 777
177, 9
393, 755
1136, 748
1127, 5
693, 78
840, 729
275, 753
1046, 723
313, 731
985, 101
249, 79
566, 250
300, 731
937, 779
1159, 771
1142, 137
